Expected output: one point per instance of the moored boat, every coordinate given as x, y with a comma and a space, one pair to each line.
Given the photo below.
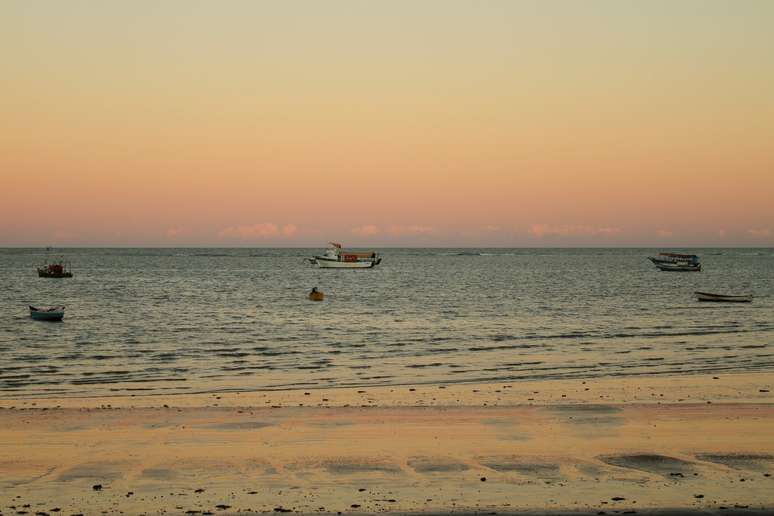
54, 313
57, 268
676, 262
337, 258
674, 258
723, 298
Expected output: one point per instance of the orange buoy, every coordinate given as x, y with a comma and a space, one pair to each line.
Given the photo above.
316, 295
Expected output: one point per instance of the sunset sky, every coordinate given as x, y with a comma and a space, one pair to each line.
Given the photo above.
416, 123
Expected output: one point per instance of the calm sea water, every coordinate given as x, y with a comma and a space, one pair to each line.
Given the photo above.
142, 321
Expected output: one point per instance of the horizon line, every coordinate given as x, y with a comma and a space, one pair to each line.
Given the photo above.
384, 247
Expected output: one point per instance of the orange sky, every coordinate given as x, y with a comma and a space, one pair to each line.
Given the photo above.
399, 123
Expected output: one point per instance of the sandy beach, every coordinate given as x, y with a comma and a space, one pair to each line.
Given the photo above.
700, 444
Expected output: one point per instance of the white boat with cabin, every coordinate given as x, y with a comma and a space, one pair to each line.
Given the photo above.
337, 258
676, 262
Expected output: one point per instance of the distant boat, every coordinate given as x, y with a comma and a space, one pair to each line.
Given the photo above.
337, 258
674, 258
57, 268
55, 313
723, 298
676, 262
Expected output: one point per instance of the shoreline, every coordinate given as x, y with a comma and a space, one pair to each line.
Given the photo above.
650, 445
713, 388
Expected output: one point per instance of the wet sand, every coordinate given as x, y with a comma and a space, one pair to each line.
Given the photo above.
700, 444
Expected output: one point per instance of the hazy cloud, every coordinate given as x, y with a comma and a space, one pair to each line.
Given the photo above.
367, 230
394, 230
410, 230
173, 233
759, 232
263, 230
548, 230
63, 235
665, 233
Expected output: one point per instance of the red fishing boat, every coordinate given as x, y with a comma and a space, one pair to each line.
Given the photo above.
55, 269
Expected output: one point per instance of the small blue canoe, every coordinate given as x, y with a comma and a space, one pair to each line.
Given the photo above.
55, 313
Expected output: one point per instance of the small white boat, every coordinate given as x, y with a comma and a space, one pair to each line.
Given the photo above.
54, 313
723, 298
337, 258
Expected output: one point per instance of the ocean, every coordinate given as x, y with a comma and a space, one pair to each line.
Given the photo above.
152, 321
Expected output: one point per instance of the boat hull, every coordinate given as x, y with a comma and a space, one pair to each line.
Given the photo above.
721, 298
671, 267
46, 274
326, 263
